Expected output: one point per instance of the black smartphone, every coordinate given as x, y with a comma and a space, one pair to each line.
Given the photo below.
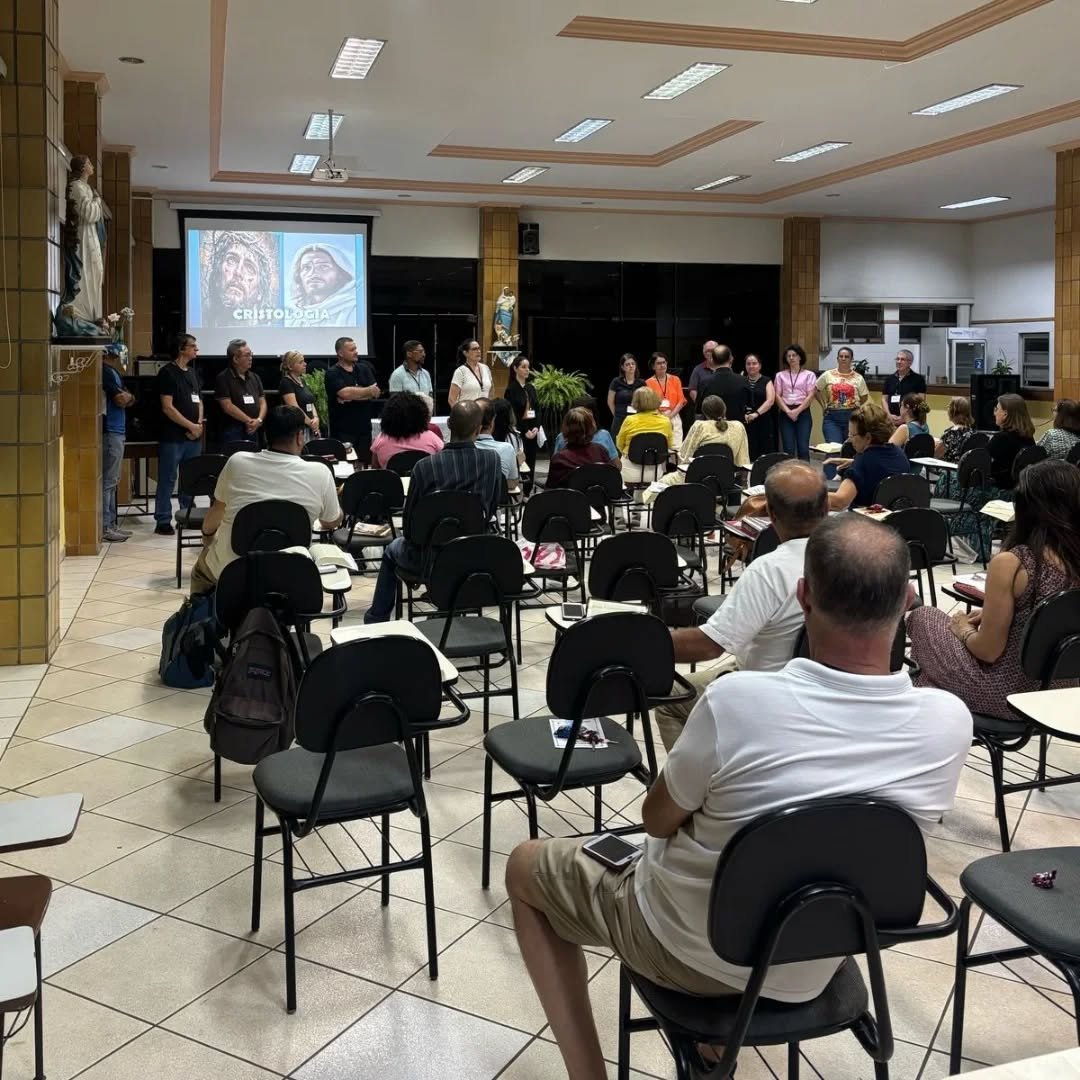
573, 612
612, 851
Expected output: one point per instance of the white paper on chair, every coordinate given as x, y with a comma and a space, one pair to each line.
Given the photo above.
999, 509
591, 725
756, 489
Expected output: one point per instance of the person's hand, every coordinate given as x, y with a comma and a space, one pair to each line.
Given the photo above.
124, 399
195, 432
374, 390
251, 426
531, 433
750, 417
975, 619
960, 624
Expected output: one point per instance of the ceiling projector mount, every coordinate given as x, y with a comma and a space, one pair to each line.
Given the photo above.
328, 171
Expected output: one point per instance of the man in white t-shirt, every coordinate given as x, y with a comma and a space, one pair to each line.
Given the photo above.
758, 624
837, 724
276, 473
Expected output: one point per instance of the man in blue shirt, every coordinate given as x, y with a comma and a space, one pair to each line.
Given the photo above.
117, 399
411, 377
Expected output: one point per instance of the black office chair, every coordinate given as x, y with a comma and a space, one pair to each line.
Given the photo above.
326, 448
1030, 455
634, 566
270, 526
603, 487
715, 449
717, 473
901, 490
977, 440
807, 882
198, 476
359, 708
1073, 456
560, 516
685, 513
618, 663
403, 461
370, 497
927, 538
1049, 652
973, 473
650, 451
920, 446
761, 467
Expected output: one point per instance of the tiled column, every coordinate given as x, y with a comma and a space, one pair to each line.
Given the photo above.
82, 119
800, 281
116, 191
498, 268
33, 180
1067, 277
80, 422
142, 273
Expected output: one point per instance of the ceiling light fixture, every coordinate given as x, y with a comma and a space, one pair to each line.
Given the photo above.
972, 97
976, 202
159, 166
801, 1
719, 183
693, 76
523, 176
131, 60
582, 131
318, 125
813, 151
303, 163
356, 57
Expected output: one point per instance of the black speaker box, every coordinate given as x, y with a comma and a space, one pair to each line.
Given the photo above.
528, 238
985, 390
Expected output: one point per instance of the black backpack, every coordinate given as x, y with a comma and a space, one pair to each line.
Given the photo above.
250, 714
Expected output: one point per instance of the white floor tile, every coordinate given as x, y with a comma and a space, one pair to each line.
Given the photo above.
107, 734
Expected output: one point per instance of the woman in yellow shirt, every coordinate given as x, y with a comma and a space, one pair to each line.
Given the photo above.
643, 420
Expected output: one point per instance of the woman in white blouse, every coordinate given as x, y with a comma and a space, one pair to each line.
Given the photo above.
472, 377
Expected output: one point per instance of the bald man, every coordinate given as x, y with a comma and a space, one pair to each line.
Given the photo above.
757, 626
703, 370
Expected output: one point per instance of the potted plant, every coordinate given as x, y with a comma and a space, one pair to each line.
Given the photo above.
315, 381
556, 391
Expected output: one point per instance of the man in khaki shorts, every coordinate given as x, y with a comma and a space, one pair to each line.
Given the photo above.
836, 724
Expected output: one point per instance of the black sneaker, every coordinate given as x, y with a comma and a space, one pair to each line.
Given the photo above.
164, 529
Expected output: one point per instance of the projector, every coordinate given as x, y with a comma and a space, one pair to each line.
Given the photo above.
330, 174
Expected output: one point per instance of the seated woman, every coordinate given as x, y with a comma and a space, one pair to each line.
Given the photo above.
404, 426
976, 656
869, 432
644, 420
1065, 433
578, 429
1016, 431
913, 413
602, 437
950, 446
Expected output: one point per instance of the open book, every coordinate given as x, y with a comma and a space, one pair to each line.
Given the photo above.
747, 528
327, 557
829, 447
999, 509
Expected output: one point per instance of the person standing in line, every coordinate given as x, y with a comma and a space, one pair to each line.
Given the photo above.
669, 389
760, 428
181, 433
117, 399
701, 372
621, 391
840, 390
727, 384
526, 405
294, 392
239, 393
898, 386
472, 377
411, 377
795, 389
351, 390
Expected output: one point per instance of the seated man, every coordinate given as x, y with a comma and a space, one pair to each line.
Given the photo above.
837, 724
277, 473
758, 624
487, 441
458, 466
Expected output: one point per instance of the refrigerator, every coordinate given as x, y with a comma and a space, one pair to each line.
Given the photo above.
957, 352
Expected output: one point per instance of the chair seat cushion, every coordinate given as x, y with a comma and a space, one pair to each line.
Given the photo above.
842, 1002
690, 557
995, 726
707, 606
1043, 918
470, 635
193, 518
945, 506
526, 750
361, 781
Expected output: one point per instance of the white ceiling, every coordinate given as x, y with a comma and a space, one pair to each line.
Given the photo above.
494, 73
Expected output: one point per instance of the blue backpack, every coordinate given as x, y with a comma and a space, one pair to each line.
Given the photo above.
190, 643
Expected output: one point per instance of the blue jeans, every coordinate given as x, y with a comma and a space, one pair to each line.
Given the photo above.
397, 553
170, 454
234, 433
795, 435
112, 457
834, 428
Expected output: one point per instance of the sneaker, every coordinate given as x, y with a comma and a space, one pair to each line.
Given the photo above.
114, 536
163, 528
123, 532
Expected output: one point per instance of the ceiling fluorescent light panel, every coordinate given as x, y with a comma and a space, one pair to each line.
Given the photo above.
986, 201
583, 130
813, 151
318, 125
356, 57
693, 76
972, 97
719, 183
522, 176
303, 163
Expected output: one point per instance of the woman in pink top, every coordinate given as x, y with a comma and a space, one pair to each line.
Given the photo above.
794, 387
404, 426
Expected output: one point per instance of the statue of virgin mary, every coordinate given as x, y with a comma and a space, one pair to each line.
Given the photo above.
79, 313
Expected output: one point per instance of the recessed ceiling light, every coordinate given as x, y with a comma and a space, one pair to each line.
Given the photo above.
303, 163
813, 151
718, 183
522, 176
355, 58
833, 195
588, 202
582, 130
985, 201
318, 125
404, 196
159, 166
693, 76
801, 1
131, 60
972, 97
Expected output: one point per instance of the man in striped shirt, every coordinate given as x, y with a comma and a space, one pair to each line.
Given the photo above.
460, 466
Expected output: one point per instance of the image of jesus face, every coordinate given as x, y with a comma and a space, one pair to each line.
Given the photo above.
319, 276
239, 276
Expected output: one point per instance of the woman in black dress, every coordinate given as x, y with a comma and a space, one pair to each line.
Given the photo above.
760, 415
621, 391
292, 390
522, 396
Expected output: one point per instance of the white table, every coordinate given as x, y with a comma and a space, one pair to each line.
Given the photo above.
18, 971
936, 463
1056, 710
34, 823
394, 628
343, 470
1062, 1066
554, 615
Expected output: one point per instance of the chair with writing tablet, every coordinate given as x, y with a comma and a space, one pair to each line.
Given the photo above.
973, 473
326, 448
761, 467
404, 461
198, 477
369, 497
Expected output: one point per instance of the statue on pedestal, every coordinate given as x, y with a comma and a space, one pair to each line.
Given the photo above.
504, 319
79, 312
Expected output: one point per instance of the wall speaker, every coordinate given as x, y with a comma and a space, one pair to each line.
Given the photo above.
528, 238
985, 390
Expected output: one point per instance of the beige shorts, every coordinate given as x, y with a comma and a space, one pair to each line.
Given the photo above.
589, 904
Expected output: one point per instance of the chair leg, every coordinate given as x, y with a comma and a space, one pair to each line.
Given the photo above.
179, 560
290, 927
997, 768
933, 587
957, 1043
485, 843
1072, 977
534, 826
515, 708
426, 743
385, 828
623, 1067
1044, 742
597, 809
217, 778
429, 899
487, 692
39, 1017
881, 1070
256, 882
793, 1061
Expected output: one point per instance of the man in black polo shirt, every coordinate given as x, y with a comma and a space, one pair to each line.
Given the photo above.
351, 390
725, 383
905, 381
239, 393
181, 427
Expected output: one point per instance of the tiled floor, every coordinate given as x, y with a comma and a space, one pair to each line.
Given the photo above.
152, 971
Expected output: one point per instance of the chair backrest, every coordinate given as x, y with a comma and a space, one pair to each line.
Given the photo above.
441, 516
372, 495
270, 526
684, 510
600, 482
557, 515
974, 467
767, 540
925, 532
334, 448
920, 446
476, 572
715, 471
715, 449
240, 447
977, 440
633, 566
1073, 456
1050, 647
403, 461
902, 490
198, 475
762, 466
648, 448
1028, 456
286, 582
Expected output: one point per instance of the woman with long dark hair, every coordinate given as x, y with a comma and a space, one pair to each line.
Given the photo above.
472, 377
522, 397
621, 391
976, 656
